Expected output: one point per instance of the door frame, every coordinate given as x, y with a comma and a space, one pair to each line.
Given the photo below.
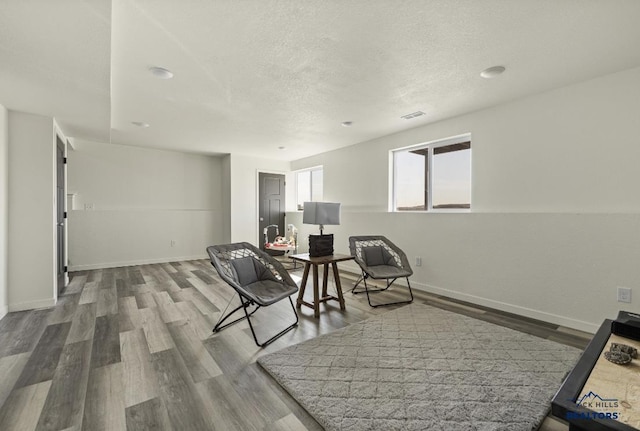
62, 143
257, 217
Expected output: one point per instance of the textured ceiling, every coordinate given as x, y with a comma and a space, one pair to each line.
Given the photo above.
55, 59
255, 75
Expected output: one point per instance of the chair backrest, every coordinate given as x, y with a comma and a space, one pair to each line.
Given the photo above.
390, 253
241, 263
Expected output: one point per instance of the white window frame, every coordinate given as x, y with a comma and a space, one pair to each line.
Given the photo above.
310, 170
430, 146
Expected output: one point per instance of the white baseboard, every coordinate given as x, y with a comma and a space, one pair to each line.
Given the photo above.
497, 305
510, 308
91, 266
32, 305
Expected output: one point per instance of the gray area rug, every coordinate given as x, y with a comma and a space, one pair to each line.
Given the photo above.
423, 368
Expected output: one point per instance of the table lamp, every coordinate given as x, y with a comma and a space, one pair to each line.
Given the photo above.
321, 213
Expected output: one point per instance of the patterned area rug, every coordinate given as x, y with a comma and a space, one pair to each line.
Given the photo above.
423, 368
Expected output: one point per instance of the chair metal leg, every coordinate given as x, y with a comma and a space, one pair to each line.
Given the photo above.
247, 315
362, 278
358, 281
279, 334
381, 290
244, 304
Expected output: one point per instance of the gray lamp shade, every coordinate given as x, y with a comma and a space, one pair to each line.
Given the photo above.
322, 213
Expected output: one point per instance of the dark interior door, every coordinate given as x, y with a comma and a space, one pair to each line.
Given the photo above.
271, 206
60, 214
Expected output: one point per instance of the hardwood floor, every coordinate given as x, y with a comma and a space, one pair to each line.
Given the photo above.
131, 348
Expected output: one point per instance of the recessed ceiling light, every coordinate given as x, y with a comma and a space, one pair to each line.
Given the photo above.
281, 148
161, 72
347, 123
492, 72
140, 124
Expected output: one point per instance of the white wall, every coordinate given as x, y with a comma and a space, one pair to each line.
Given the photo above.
130, 203
4, 209
244, 194
556, 212
32, 235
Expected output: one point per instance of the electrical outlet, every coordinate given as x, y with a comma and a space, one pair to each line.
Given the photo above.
88, 207
418, 261
624, 294
173, 243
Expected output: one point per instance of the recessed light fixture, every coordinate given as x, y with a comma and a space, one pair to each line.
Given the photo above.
347, 124
140, 124
281, 148
161, 72
492, 72
413, 115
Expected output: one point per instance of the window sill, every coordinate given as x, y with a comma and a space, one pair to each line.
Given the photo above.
435, 211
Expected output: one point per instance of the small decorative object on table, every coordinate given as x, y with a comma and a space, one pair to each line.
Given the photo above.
621, 354
624, 348
619, 358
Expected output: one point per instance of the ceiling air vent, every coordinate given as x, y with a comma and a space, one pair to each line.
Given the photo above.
413, 115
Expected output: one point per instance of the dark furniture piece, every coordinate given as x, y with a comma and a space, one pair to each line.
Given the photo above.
380, 259
314, 262
564, 404
259, 279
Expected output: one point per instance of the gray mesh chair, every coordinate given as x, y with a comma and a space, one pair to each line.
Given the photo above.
379, 259
258, 278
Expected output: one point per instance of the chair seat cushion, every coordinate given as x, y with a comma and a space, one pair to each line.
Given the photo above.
376, 255
267, 292
386, 271
250, 270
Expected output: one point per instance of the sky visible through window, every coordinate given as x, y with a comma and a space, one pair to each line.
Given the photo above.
303, 180
409, 179
309, 186
451, 179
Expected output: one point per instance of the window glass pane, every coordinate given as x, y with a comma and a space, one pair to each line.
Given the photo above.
451, 179
421, 183
316, 185
410, 184
303, 182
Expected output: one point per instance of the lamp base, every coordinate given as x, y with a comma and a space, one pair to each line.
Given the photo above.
320, 245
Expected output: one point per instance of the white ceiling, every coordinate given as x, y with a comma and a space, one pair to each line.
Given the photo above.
255, 75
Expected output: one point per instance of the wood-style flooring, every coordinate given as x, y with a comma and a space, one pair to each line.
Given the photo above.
131, 349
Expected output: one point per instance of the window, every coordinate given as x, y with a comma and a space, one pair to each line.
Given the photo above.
433, 176
308, 186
